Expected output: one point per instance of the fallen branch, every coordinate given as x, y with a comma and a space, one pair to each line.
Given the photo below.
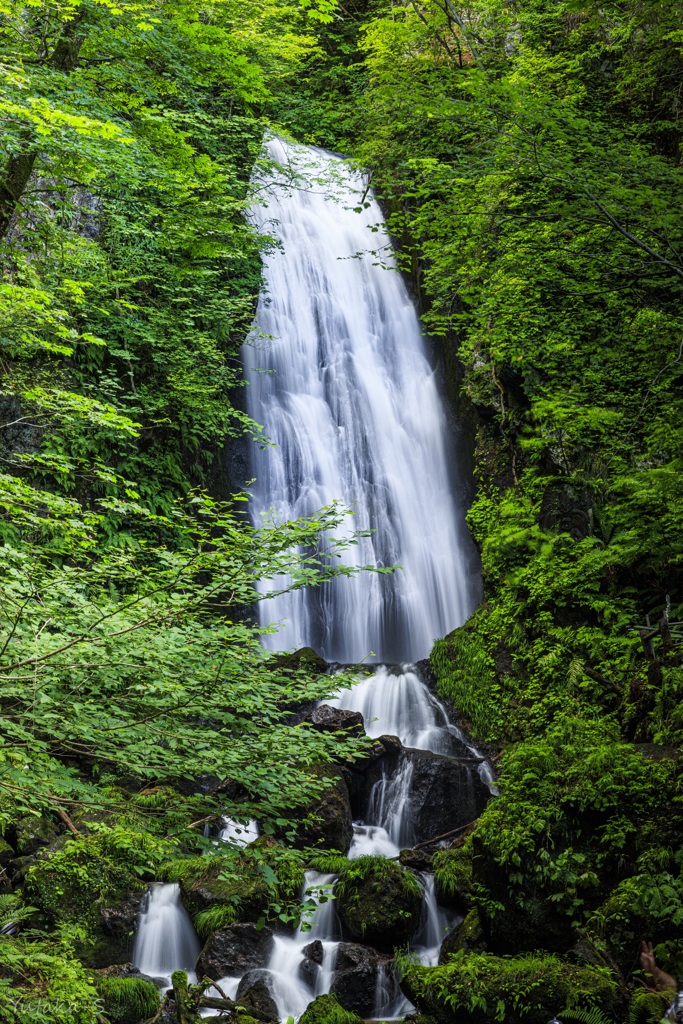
446, 835
67, 821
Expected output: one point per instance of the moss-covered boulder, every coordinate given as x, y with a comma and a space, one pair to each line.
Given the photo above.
379, 902
473, 987
127, 1000
647, 1007
74, 885
468, 935
217, 891
326, 1010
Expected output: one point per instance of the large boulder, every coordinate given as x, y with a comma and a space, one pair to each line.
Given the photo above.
355, 979
234, 950
468, 935
378, 902
325, 718
526, 990
255, 994
331, 827
445, 793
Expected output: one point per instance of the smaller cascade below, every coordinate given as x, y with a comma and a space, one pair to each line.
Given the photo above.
395, 701
436, 923
165, 940
389, 811
390, 1003
296, 979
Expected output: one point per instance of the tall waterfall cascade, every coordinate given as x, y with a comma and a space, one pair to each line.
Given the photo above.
339, 377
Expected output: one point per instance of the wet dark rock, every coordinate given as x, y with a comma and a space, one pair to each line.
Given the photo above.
234, 950
355, 979
468, 935
308, 972
445, 793
391, 744
328, 719
334, 828
314, 951
416, 860
255, 993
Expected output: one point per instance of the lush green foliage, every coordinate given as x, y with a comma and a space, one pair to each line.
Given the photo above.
528, 154
477, 987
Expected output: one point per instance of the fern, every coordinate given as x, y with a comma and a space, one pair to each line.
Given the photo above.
593, 1015
12, 911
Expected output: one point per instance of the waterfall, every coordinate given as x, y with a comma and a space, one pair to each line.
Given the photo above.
435, 924
292, 987
340, 380
165, 941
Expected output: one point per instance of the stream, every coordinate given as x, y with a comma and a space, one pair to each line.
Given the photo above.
340, 379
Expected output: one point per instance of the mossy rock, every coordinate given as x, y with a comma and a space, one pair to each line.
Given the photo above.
326, 1010
378, 902
75, 882
468, 935
215, 902
473, 987
128, 1000
647, 1007
34, 832
303, 660
453, 877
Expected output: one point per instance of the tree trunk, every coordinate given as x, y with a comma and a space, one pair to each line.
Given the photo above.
19, 166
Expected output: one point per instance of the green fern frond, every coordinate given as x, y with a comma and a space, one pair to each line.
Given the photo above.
593, 1015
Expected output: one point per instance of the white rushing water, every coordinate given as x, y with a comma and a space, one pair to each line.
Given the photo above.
165, 940
291, 989
340, 380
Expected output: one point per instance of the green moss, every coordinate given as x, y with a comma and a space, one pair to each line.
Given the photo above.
468, 935
41, 982
89, 872
378, 901
453, 874
128, 1000
326, 1010
477, 988
218, 890
647, 1007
